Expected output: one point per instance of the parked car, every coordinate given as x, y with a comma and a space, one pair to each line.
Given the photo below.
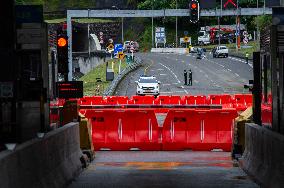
220, 51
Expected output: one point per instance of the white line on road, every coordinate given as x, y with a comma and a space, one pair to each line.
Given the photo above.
166, 84
237, 74
163, 74
171, 72
160, 69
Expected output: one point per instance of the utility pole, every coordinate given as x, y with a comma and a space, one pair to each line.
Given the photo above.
176, 25
153, 24
219, 17
122, 30
89, 49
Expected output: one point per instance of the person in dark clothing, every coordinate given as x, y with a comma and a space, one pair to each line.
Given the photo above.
190, 77
185, 77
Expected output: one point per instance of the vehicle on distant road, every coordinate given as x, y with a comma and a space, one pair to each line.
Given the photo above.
148, 85
220, 51
128, 45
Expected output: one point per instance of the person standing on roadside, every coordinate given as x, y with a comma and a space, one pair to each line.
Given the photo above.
185, 77
247, 57
190, 77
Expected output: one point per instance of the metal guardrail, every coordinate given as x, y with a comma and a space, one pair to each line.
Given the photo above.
111, 89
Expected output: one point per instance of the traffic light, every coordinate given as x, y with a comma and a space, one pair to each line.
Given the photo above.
62, 53
194, 11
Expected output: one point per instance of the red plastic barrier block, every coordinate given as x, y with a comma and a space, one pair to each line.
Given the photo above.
95, 100
146, 129
240, 102
202, 130
194, 100
266, 114
224, 122
174, 135
168, 100
224, 100
116, 100
163, 100
142, 100
125, 129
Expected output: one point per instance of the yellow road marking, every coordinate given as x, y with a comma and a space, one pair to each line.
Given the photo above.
146, 69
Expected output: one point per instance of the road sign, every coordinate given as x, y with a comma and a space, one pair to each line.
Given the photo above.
121, 55
186, 39
110, 47
128, 59
118, 48
185, 33
160, 35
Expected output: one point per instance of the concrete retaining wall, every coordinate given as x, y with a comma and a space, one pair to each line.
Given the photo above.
264, 156
49, 162
170, 50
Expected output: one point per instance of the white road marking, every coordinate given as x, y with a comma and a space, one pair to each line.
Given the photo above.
166, 84
160, 69
185, 91
163, 74
168, 92
195, 81
171, 72
229, 70
237, 74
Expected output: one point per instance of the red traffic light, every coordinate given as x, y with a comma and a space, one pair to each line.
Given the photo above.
193, 5
61, 42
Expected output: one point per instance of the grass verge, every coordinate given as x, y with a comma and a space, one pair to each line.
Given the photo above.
94, 88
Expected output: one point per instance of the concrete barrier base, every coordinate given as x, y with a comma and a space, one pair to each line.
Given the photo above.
264, 156
52, 161
170, 50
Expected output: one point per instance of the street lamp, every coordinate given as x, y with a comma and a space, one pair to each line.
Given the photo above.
122, 25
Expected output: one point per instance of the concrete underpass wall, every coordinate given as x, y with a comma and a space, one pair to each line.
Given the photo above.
49, 162
87, 65
264, 156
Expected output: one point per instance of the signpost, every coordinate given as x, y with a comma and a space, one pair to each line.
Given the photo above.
121, 56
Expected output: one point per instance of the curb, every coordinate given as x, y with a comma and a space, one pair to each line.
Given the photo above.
111, 89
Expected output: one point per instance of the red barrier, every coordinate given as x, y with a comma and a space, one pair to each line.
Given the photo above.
242, 101
174, 100
116, 100
224, 100
266, 114
95, 100
194, 100
142, 100
125, 129
198, 129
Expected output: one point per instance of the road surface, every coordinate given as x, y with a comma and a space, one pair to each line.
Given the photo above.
210, 75
182, 169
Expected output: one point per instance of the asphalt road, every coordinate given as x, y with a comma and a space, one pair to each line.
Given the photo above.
210, 75
183, 169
